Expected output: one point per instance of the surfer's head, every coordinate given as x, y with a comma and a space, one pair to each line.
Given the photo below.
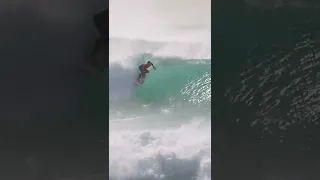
149, 62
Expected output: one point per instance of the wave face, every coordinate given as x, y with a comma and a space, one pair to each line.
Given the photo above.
175, 79
178, 80
161, 129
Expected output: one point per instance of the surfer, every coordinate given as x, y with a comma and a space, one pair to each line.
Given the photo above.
144, 69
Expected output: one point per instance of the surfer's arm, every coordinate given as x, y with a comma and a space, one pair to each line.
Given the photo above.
153, 67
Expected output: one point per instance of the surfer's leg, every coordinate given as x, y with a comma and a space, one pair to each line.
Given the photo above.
141, 72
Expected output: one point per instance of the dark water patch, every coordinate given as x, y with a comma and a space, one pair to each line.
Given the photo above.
265, 63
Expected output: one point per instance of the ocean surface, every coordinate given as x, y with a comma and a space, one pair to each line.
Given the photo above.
265, 90
162, 128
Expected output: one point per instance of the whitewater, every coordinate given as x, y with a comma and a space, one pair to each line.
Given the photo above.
161, 129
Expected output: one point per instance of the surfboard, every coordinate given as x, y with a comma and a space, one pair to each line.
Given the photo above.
140, 81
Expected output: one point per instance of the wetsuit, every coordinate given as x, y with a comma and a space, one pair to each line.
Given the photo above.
144, 68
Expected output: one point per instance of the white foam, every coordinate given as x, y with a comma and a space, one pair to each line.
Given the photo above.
178, 28
160, 20
178, 153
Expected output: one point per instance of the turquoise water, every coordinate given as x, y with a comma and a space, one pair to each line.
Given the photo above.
177, 80
180, 84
